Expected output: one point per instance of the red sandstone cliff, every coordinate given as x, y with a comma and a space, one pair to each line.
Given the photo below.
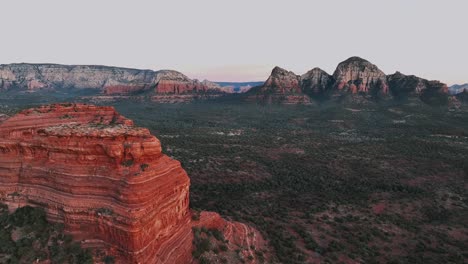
241, 238
100, 79
354, 78
105, 179
107, 182
358, 75
281, 87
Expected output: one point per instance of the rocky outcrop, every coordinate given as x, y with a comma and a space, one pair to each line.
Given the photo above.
282, 81
103, 178
54, 76
171, 82
458, 88
316, 83
102, 79
407, 86
241, 238
355, 79
281, 87
356, 75
108, 182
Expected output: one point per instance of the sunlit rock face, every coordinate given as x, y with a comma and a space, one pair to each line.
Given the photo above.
105, 79
354, 79
356, 75
103, 178
316, 83
100, 79
281, 87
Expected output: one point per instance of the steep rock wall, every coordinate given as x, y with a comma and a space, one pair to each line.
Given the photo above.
104, 179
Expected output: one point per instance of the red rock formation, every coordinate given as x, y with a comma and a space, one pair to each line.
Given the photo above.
404, 85
124, 89
283, 81
101, 79
316, 82
281, 87
179, 87
240, 236
104, 179
358, 75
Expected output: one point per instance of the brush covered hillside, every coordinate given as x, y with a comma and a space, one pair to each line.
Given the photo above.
348, 183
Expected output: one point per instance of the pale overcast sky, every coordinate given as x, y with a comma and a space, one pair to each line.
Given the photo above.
240, 40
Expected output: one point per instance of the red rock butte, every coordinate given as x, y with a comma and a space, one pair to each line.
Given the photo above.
106, 180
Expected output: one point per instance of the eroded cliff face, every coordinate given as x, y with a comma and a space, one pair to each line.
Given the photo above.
242, 239
103, 178
281, 87
356, 75
403, 85
355, 79
103, 79
108, 182
282, 81
316, 83
54, 76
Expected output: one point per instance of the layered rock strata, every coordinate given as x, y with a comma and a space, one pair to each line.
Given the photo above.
316, 83
106, 180
241, 238
102, 79
354, 78
281, 87
358, 75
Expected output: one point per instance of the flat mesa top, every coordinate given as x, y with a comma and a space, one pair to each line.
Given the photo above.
95, 130
74, 120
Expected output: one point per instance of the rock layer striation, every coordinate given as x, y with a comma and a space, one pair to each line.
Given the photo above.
106, 180
101, 79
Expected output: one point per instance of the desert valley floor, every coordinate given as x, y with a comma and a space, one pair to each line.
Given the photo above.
351, 183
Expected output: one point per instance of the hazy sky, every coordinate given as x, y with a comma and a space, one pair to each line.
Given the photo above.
240, 40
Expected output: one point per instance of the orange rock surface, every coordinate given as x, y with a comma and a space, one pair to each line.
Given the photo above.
179, 87
241, 237
124, 89
103, 178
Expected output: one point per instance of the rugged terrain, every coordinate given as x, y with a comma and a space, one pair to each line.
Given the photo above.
96, 80
106, 181
458, 88
238, 87
382, 183
354, 79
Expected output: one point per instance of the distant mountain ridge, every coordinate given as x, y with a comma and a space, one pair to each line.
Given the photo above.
354, 78
458, 88
103, 79
238, 87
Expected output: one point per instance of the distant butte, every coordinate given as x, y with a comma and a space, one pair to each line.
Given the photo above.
354, 79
